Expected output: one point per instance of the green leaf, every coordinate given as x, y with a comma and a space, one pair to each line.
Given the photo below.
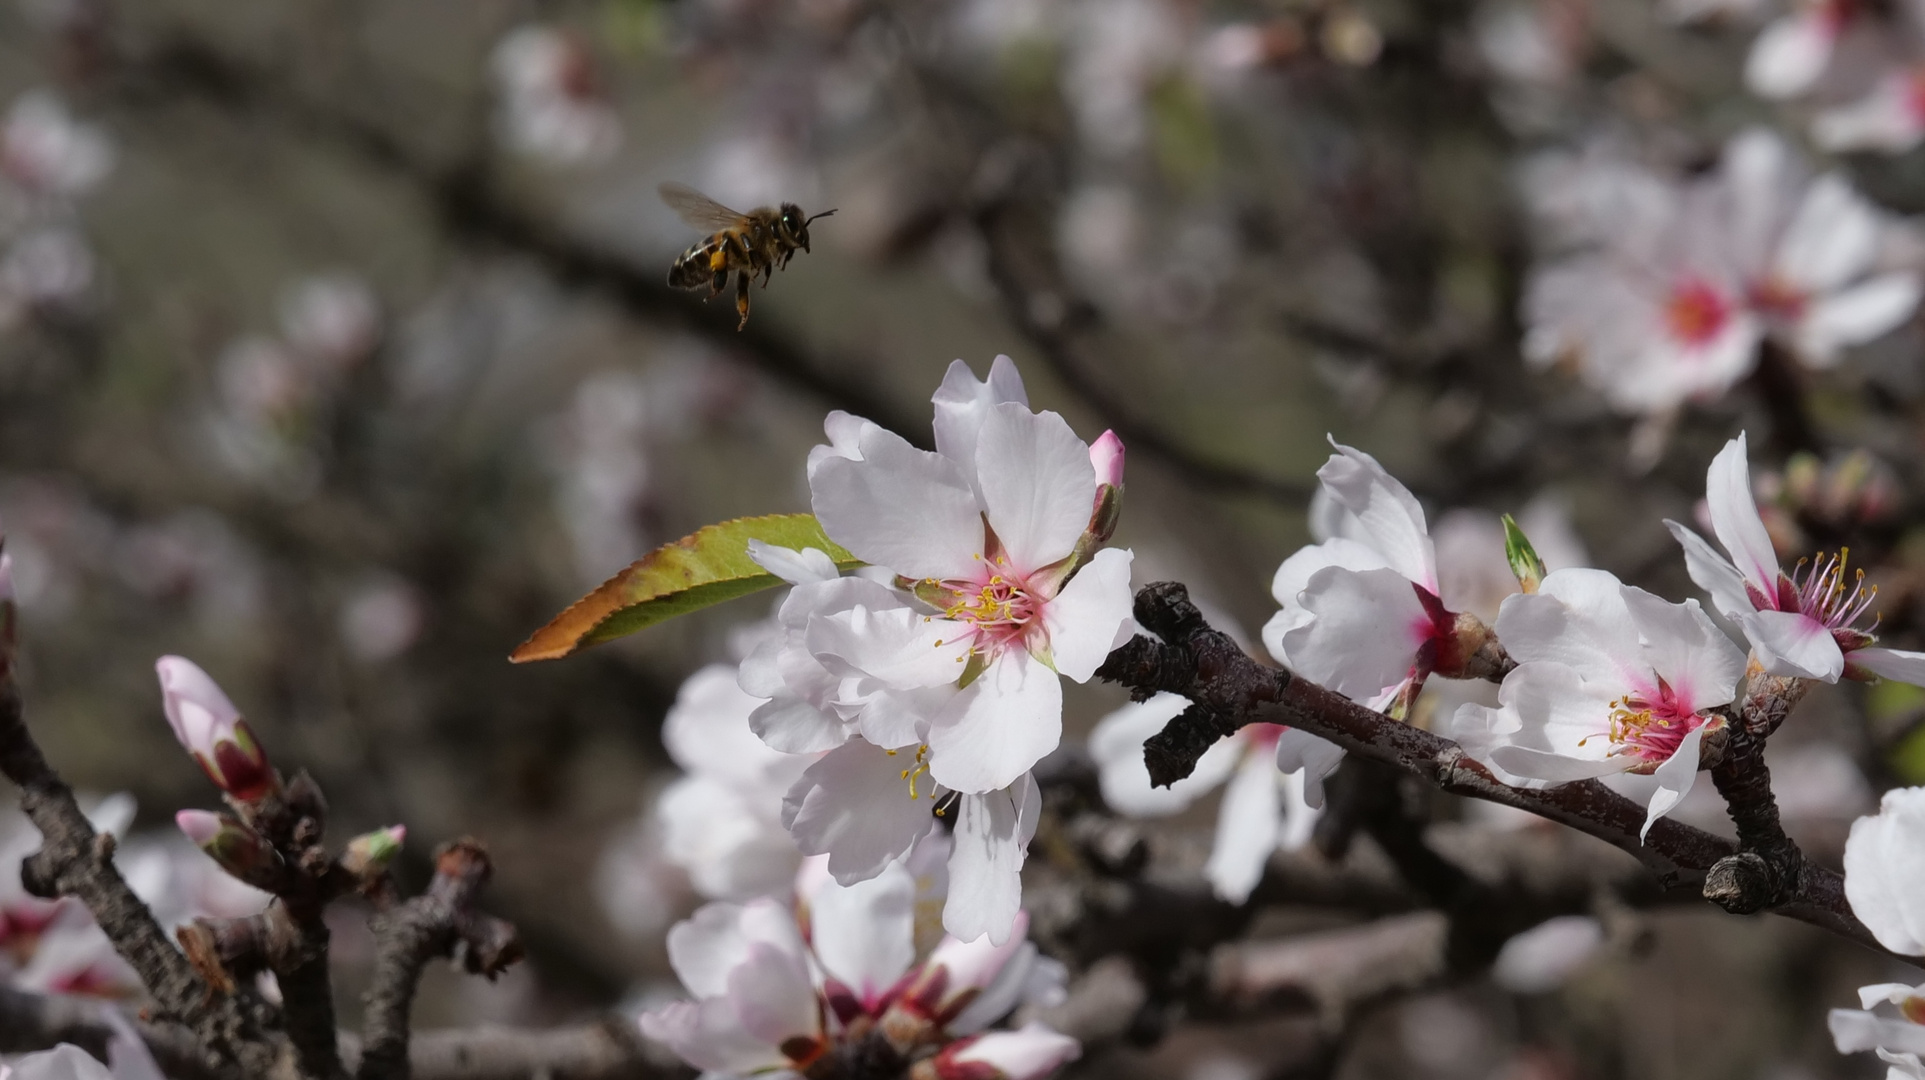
695, 572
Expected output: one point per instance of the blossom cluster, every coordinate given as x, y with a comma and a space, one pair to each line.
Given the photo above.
1660, 291
857, 972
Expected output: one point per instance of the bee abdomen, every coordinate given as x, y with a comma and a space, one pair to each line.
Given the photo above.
694, 268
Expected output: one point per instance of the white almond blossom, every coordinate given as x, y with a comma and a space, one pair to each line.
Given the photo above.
1807, 250
1804, 624
1884, 876
722, 822
552, 106
937, 697
1361, 612
990, 529
774, 994
1610, 679
1263, 809
1654, 313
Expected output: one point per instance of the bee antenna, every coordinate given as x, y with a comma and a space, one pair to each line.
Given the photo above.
812, 217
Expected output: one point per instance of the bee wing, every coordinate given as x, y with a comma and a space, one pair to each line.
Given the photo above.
698, 209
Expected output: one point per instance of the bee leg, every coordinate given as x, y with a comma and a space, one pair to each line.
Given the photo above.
742, 280
717, 283
768, 271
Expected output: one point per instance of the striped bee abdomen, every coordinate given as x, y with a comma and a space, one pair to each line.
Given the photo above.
697, 267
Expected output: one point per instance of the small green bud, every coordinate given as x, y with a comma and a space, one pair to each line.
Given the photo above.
1528, 568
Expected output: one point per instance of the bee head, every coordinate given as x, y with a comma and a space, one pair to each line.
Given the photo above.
794, 226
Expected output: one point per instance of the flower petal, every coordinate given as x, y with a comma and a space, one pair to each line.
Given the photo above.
998, 727
1674, 778
730, 848
1862, 313
1247, 826
708, 945
1712, 572
854, 806
1735, 520
1298, 750
1038, 486
707, 732
962, 402
899, 507
1793, 643
992, 837
1791, 53
1392, 520
898, 647
1832, 237
774, 996
1576, 618
809, 566
709, 1035
1883, 873
1897, 665
1364, 634
864, 934
1853, 1031
794, 726
1091, 616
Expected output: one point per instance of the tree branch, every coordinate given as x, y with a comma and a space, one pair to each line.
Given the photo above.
436, 923
1189, 658
75, 861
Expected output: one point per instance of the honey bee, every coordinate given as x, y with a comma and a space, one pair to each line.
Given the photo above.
761, 241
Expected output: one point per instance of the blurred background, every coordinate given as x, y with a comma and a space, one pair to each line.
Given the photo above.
335, 354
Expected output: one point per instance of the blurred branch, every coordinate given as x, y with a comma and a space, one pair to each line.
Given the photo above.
30, 1022
466, 200
1039, 303
1188, 657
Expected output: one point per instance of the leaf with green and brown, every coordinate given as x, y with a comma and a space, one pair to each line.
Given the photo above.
697, 571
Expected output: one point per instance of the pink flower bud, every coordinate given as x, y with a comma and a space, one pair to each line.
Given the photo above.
1106, 453
229, 841
201, 826
1029, 1054
210, 728
6, 579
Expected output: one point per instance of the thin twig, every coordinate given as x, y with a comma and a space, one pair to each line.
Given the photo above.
407, 936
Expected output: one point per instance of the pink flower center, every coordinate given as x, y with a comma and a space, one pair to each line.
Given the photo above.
1818, 589
999, 609
1650, 724
1696, 312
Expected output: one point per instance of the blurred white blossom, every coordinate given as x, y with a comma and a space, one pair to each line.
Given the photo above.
551, 103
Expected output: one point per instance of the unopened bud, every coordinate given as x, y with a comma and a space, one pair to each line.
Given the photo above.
370, 853
1106, 454
1525, 565
210, 728
239, 850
